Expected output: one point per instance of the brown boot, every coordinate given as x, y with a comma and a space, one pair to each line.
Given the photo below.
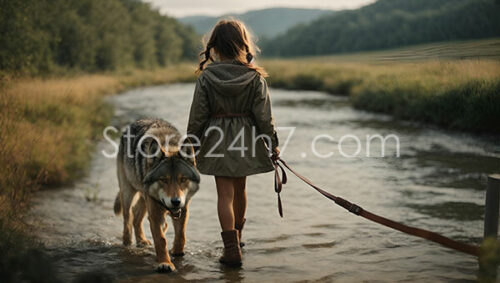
239, 227
232, 252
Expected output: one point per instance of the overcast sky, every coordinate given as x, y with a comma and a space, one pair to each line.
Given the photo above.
180, 8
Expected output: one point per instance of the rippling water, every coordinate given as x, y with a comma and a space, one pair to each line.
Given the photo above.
437, 183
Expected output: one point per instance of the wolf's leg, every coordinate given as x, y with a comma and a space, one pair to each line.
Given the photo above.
139, 213
180, 233
127, 197
156, 216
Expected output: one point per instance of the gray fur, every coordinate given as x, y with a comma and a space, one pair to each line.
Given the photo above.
138, 175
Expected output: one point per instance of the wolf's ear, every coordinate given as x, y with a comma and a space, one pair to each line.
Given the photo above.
160, 171
185, 168
150, 146
187, 152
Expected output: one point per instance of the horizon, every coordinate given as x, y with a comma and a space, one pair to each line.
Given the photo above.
180, 8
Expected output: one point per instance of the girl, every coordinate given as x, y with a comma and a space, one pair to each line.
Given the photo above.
231, 116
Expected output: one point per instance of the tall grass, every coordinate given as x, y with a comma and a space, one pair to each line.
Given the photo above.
455, 94
49, 127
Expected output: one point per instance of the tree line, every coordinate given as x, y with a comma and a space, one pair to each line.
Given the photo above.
40, 36
388, 24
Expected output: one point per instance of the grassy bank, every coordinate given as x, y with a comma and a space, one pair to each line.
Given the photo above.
49, 124
48, 131
451, 93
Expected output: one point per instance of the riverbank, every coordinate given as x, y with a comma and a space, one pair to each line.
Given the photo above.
455, 85
50, 123
49, 128
453, 94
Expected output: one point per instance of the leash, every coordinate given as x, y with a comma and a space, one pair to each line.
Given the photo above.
357, 210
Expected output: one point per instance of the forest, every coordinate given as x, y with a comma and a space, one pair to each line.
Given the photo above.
388, 24
47, 36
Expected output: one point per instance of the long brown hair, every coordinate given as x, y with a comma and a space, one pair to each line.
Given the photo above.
231, 40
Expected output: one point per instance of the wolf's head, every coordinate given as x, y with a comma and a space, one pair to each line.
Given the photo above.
172, 178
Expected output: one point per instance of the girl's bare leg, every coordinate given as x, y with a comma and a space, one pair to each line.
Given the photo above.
225, 196
239, 200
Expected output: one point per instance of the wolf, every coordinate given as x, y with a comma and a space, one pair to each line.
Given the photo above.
156, 175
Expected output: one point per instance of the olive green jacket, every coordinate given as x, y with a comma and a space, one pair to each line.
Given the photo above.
230, 145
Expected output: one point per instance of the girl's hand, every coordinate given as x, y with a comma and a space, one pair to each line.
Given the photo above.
276, 153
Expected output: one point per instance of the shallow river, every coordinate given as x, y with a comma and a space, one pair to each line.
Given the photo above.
436, 183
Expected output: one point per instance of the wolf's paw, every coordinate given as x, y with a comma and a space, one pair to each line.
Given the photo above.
143, 242
127, 242
165, 267
177, 252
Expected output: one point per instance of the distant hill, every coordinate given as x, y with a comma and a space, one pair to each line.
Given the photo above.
388, 24
265, 23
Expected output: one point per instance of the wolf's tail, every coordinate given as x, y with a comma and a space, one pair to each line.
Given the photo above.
118, 205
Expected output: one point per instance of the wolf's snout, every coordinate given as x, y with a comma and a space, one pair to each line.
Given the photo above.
175, 201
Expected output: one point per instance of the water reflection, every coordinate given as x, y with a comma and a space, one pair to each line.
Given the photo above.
232, 274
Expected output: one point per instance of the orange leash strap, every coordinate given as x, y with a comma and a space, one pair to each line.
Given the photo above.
355, 209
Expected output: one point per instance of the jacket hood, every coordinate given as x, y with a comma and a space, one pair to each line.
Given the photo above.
228, 78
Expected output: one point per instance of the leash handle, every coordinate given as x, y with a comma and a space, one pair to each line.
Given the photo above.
278, 181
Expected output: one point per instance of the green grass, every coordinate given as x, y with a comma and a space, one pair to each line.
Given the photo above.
427, 83
448, 50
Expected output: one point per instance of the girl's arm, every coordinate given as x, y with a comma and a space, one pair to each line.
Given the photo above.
200, 111
262, 113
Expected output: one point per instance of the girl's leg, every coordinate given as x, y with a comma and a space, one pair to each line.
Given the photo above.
230, 237
225, 195
239, 200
